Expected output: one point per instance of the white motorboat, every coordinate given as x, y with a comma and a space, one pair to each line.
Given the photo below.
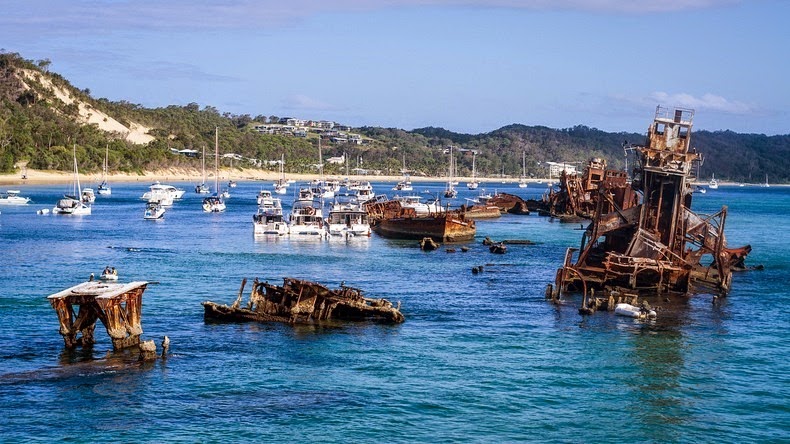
633, 311
109, 274
88, 196
265, 198
347, 219
421, 208
153, 211
306, 218
12, 197
231, 184
104, 188
215, 203
72, 204
159, 191
269, 218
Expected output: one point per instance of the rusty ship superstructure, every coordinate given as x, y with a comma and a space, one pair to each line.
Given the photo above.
644, 238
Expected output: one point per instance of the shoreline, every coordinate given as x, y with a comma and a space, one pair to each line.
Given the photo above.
44, 177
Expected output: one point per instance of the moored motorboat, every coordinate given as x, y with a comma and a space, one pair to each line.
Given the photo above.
269, 218
88, 196
153, 211
159, 191
12, 197
348, 219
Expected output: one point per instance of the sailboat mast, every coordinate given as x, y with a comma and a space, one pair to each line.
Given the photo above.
320, 160
78, 193
216, 159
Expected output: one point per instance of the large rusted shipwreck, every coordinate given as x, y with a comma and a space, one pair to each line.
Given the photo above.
644, 238
302, 302
576, 198
117, 306
394, 220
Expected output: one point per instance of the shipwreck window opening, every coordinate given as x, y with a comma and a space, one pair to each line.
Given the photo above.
683, 132
660, 128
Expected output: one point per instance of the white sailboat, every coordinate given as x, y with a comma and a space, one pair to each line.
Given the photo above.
450, 191
215, 203
765, 185
104, 188
281, 186
72, 203
522, 182
474, 183
713, 184
203, 188
405, 183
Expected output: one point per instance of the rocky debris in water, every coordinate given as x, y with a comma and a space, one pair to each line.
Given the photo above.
428, 244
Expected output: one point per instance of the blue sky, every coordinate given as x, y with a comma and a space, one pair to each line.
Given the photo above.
466, 65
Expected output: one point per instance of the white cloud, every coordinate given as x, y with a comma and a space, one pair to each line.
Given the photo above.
710, 102
706, 102
303, 102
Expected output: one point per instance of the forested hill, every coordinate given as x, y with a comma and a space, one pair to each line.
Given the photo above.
43, 117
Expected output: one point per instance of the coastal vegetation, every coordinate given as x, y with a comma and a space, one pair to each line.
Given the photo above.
38, 128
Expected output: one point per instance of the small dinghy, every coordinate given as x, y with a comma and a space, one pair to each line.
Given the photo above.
109, 274
633, 311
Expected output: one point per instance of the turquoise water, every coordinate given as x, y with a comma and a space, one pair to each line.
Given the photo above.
481, 357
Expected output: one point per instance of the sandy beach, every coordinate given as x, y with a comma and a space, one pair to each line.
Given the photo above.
194, 176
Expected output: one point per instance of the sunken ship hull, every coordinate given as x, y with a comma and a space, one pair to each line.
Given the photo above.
392, 220
444, 227
302, 302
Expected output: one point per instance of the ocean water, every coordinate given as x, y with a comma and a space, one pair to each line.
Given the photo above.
480, 358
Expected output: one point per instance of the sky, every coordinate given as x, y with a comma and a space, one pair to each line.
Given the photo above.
470, 66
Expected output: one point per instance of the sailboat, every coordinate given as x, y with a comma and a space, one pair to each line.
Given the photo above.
765, 185
202, 188
231, 182
215, 203
405, 184
450, 192
474, 183
280, 187
522, 183
72, 203
713, 184
103, 188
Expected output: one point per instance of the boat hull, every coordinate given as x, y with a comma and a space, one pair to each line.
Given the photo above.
441, 228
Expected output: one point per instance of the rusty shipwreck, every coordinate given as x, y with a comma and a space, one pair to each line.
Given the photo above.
302, 302
117, 306
392, 219
644, 238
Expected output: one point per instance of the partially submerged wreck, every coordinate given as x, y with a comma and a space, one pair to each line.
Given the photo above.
644, 238
117, 306
576, 198
393, 220
302, 302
